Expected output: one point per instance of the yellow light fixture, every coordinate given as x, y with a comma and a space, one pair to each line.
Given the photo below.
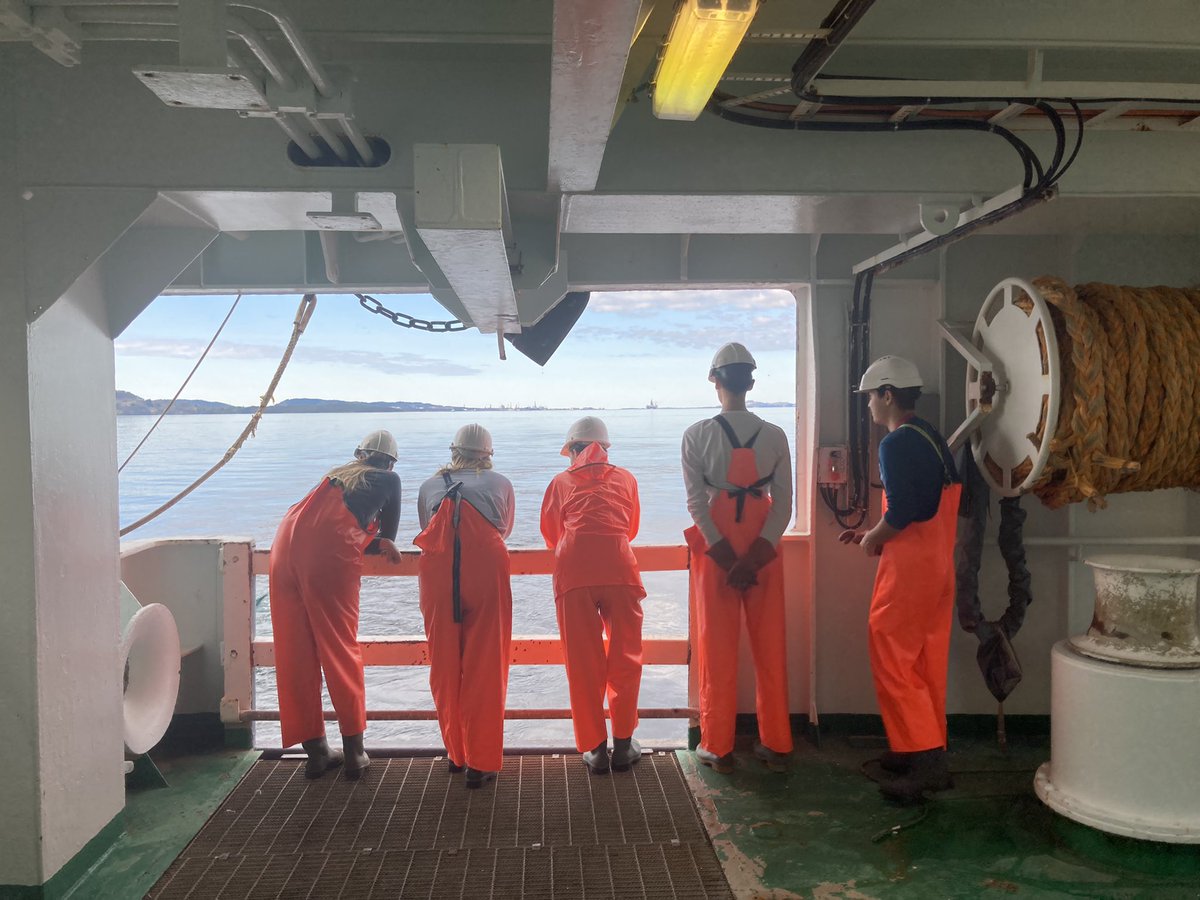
703, 39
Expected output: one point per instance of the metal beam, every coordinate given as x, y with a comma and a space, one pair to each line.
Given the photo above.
591, 44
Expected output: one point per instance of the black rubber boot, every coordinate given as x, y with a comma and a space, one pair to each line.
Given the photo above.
477, 778
454, 767
895, 762
357, 760
321, 757
597, 759
929, 772
625, 752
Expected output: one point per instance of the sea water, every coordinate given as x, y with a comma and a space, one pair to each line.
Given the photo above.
290, 453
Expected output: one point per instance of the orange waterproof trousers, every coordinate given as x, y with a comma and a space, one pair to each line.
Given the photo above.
468, 660
315, 570
585, 615
718, 613
909, 626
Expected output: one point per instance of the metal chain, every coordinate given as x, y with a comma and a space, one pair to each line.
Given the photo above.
404, 320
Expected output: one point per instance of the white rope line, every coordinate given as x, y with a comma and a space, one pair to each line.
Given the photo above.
303, 314
220, 328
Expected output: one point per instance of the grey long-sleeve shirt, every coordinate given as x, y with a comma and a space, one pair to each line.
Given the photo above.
706, 453
488, 491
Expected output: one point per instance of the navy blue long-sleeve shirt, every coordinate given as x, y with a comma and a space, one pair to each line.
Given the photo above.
914, 473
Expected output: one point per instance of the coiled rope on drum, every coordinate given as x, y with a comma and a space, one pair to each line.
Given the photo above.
1129, 417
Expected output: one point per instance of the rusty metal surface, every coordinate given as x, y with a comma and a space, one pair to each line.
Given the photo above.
408, 828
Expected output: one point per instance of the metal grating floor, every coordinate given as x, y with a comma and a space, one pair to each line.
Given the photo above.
544, 829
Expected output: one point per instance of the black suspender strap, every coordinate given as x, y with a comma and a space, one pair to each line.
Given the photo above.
453, 491
740, 492
947, 479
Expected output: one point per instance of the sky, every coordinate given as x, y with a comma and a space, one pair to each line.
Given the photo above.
626, 350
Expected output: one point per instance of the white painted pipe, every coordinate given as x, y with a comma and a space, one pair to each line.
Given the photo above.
358, 139
319, 79
306, 144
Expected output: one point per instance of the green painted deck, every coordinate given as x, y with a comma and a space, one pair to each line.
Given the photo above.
823, 831
160, 822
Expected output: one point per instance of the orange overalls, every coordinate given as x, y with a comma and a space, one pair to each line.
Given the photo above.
466, 600
589, 515
739, 514
315, 570
909, 625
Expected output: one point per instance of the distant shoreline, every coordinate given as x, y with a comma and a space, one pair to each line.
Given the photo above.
128, 404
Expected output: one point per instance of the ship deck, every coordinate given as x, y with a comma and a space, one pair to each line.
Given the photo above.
821, 831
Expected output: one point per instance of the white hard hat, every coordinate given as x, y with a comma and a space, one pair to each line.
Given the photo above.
731, 354
473, 438
587, 429
894, 370
380, 442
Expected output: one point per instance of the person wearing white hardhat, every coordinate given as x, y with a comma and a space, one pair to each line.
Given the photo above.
466, 512
913, 600
590, 513
314, 571
737, 470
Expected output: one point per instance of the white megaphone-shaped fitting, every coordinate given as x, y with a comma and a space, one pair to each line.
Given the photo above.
150, 660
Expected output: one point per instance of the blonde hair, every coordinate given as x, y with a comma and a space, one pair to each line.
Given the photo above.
466, 459
351, 475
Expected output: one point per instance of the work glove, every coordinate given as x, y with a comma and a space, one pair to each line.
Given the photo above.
744, 573
722, 554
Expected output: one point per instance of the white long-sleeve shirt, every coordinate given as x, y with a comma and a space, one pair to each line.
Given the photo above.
706, 453
489, 492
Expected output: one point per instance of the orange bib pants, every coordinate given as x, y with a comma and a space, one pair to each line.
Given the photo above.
718, 612
909, 625
468, 659
314, 576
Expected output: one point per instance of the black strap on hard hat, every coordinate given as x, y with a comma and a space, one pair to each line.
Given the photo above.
454, 493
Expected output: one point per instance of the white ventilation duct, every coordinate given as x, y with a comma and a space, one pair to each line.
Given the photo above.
150, 660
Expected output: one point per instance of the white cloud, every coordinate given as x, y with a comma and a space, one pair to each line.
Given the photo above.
389, 363
651, 302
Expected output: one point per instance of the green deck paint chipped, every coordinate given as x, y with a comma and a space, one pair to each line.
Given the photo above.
823, 831
160, 822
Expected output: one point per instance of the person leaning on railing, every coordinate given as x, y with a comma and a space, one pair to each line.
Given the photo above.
315, 571
466, 512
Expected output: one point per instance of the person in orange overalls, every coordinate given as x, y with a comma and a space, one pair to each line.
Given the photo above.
738, 473
913, 600
590, 513
466, 512
315, 570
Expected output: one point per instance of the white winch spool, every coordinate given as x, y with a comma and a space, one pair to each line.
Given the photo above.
1014, 331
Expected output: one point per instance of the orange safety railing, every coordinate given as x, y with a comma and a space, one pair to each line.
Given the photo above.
527, 650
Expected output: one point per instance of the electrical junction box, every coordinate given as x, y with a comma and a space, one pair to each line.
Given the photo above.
832, 464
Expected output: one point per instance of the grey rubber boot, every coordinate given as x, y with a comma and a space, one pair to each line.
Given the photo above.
625, 752
357, 760
722, 764
929, 772
775, 761
597, 759
321, 757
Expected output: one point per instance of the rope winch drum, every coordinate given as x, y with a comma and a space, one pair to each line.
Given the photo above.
1076, 393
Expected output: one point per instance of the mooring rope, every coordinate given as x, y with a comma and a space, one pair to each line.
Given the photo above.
303, 314
1129, 417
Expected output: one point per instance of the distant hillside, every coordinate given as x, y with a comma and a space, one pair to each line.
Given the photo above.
132, 405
